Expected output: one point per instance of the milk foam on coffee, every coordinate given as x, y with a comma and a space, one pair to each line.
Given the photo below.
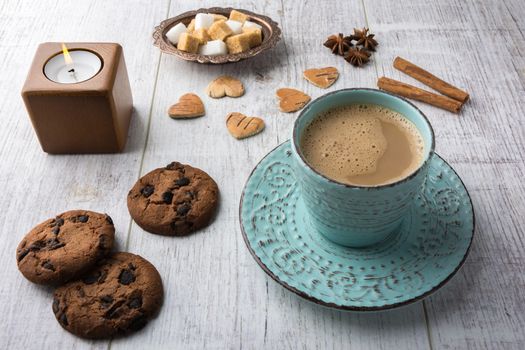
363, 144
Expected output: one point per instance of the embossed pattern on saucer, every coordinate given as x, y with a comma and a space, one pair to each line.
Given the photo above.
432, 244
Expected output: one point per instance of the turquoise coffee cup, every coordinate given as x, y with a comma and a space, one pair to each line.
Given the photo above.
358, 216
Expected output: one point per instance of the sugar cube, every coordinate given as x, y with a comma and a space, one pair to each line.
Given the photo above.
217, 17
191, 26
174, 33
235, 26
201, 35
238, 16
188, 43
254, 36
238, 43
249, 24
213, 48
219, 30
203, 20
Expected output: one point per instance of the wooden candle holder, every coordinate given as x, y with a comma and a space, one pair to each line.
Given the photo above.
87, 117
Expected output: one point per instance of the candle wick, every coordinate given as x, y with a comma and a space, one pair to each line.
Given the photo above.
73, 73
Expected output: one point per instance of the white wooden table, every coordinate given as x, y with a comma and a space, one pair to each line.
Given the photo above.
216, 295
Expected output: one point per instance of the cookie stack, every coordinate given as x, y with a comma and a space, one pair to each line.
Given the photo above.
100, 293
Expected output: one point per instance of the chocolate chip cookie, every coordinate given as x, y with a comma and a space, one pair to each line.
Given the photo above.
120, 295
65, 247
175, 200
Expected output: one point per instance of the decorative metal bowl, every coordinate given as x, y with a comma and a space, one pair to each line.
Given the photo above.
271, 34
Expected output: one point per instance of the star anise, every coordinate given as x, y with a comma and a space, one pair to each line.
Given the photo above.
338, 43
357, 56
363, 38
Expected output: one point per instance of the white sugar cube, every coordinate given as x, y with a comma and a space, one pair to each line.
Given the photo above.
213, 48
249, 24
203, 21
235, 26
174, 33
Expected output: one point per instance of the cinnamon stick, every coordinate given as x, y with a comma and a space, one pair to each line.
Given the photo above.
430, 80
416, 93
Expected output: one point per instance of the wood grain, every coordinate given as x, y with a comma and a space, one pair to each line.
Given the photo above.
35, 185
481, 307
216, 295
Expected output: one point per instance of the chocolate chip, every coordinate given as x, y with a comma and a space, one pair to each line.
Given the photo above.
91, 278
147, 190
63, 319
37, 245
57, 222
56, 246
167, 197
126, 277
183, 209
83, 218
191, 194
175, 166
114, 311
138, 323
103, 276
109, 220
81, 292
47, 265
106, 301
56, 304
135, 302
54, 243
56, 230
22, 254
183, 181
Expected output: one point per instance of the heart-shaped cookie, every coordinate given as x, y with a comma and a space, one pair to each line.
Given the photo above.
321, 77
225, 86
189, 106
241, 126
291, 100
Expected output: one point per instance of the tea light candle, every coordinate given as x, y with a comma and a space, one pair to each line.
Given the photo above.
73, 66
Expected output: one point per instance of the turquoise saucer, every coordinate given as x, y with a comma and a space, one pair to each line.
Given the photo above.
430, 247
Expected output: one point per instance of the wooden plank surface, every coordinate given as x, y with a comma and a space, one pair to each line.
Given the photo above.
37, 186
479, 46
216, 295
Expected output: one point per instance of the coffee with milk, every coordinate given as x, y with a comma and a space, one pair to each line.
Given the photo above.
363, 145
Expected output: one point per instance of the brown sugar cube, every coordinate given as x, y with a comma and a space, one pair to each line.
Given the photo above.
217, 17
239, 16
201, 35
191, 26
188, 43
238, 43
219, 30
254, 36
